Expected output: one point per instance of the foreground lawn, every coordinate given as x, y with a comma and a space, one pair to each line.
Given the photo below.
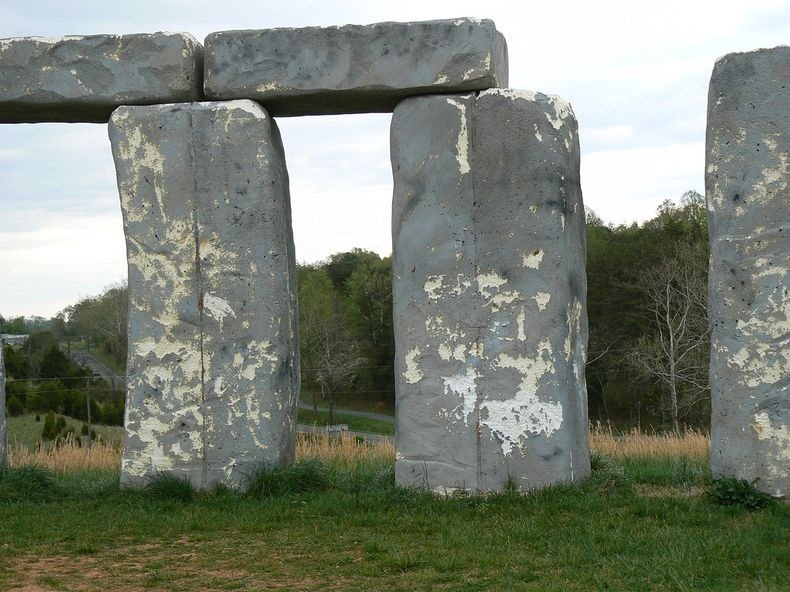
637, 524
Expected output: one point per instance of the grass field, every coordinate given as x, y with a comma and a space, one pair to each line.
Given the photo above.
26, 431
338, 522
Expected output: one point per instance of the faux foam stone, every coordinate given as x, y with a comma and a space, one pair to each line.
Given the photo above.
748, 197
82, 79
213, 364
489, 291
354, 68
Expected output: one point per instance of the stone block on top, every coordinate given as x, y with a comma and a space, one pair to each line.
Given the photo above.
84, 78
354, 68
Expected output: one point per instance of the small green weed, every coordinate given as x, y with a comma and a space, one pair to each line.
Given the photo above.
738, 492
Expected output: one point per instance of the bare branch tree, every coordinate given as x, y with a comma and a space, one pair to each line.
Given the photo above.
675, 353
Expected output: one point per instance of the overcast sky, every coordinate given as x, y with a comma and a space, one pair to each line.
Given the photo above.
636, 74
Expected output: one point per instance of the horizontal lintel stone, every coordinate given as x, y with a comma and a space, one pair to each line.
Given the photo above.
84, 78
354, 68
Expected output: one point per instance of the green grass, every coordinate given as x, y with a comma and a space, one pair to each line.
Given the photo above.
25, 430
355, 424
638, 525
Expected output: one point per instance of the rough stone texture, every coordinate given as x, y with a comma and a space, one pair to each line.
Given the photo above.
749, 291
354, 68
213, 366
74, 79
489, 292
3, 424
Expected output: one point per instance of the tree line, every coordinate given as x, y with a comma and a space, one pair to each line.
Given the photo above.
647, 304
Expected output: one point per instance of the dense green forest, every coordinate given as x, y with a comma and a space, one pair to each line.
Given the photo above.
648, 347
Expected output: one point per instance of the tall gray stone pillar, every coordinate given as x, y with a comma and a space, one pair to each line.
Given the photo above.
3, 424
489, 291
746, 182
212, 375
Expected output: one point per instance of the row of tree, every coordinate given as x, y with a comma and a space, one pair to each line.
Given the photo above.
647, 307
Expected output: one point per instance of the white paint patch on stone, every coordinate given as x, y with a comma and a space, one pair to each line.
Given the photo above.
462, 386
512, 93
486, 282
521, 320
270, 86
542, 299
532, 259
462, 144
537, 133
779, 437
246, 105
217, 308
574, 312
412, 374
532, 369
509, 420
562, 111
432, 286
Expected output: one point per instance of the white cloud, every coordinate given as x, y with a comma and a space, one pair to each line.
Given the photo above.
623, 186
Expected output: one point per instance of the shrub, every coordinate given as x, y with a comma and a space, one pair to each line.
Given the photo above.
26, 483
168, 486
50, 431
14, 407
738, 492
303, 476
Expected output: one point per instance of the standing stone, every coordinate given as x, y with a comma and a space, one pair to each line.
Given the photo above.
489, 292
354, 68
3, 424
748, 197
213, 366
77, 78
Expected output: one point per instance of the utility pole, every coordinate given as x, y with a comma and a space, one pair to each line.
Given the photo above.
88, 400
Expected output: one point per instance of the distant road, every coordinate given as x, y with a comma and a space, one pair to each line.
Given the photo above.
367, 436
95, 365
367, 414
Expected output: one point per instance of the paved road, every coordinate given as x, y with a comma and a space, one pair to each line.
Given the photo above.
368, 436
95, 365
366, 414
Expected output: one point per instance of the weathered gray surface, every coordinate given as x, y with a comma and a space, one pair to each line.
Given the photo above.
212, 373
749, 299
489, 292
3, 424
76, 78
354, 68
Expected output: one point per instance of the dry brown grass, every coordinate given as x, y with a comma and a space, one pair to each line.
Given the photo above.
634, 443
345, 451
67, 456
